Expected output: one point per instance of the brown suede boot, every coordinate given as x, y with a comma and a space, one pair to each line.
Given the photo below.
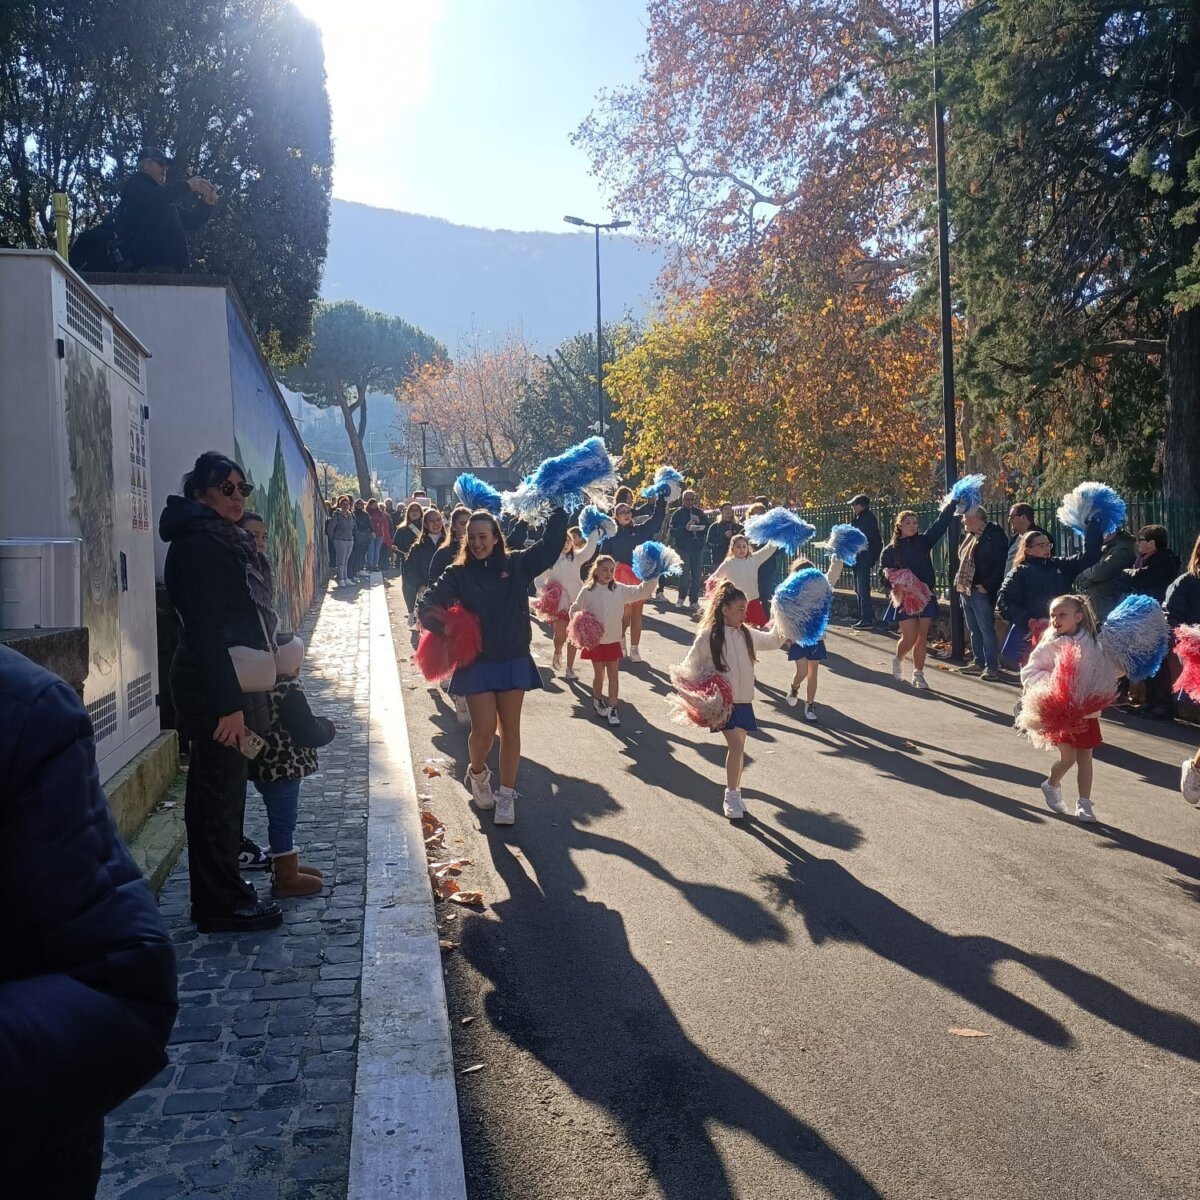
286, 879
316, 874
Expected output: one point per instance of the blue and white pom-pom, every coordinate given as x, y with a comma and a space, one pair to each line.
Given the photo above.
476, 494
1135, 634
1090, 500
652, 559
583, 471
667, 483
846, 542
593, 518
966, 492
779, 527
801, 606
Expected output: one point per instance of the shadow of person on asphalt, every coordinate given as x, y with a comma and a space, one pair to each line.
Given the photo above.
591, 1013
836, 906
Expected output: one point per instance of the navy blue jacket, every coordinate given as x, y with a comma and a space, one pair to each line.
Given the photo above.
87, 972
868, 525
1028, 592
915, 553
628, 537
1183, 601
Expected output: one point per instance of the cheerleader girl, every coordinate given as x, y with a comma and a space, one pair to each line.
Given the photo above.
726, 645
415, 572
402, 541
447, 551
1072, 623
490, 582
621, 546
740, 566
566, 574
606, 600
911, 550
808, 659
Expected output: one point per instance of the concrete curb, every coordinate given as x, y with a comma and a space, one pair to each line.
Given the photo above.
405, 1139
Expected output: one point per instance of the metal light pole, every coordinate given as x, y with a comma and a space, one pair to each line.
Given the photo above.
957, 632
597, 226
424, 460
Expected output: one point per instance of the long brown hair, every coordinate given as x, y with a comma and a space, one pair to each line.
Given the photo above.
591, 577
896, 534
449, 540
1194, 562
714, 622
1026, 538
425, 536
501, 547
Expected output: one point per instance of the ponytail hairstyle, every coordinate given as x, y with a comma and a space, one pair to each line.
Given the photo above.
896, 534
601, 558
800, 563
713, 622
1082, 605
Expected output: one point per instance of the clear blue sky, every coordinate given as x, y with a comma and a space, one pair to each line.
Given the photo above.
462, 108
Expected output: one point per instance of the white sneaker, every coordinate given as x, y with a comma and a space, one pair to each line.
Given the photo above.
1189, 782
506, 807
569, 674
919, 681
613, 719
810, 712
1054, 797
792, 698
461, 711
733, 807
634, 654
897, 670
1083, 811
600, 707
481, 788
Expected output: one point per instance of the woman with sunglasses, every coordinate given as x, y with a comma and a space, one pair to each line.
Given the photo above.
1037, 578
216, 585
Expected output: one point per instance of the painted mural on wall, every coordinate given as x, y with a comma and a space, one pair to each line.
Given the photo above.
285, 487
90, 454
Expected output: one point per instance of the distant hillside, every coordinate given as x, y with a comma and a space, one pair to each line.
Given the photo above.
447, 278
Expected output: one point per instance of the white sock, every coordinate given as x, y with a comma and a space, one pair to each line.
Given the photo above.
506, 791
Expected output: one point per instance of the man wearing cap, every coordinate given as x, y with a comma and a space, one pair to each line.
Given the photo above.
863, 519
155, 217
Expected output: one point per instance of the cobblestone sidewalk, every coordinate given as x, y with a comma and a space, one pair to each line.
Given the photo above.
256, 1102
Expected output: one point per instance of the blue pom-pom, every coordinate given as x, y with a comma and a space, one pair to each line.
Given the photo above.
593, 518
1090, 500
966, 492
1136, 635
652, 559
801, 606
781, 528
667, 483
846, 542
475, 493
564, 480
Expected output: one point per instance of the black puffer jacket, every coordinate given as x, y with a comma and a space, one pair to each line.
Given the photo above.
444, 556
868, 525
87, 972
496, 590
628, 537
1150, 577
914, 553
1183, 601
207, 589
1028, 591
418, 561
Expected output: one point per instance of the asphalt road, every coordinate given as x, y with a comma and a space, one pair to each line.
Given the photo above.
667, 1004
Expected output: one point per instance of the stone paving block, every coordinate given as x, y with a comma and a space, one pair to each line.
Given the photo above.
207, 1075
191, 1102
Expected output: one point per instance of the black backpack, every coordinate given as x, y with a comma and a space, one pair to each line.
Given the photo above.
99, 250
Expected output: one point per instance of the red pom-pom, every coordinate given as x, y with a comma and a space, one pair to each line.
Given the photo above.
439, 655
585, 630
1187, 649
552, 603
1056, 710
909, 594
705, 702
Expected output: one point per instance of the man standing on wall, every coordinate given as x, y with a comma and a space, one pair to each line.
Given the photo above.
155, 217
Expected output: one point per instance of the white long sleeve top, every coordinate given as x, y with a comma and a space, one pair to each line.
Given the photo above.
739, 665
608, 604
566, 570
743, 572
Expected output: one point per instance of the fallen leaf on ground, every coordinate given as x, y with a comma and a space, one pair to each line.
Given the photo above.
466, 1020
471, 1069
444, 888
465, 897
429, 822
968, 1033
430, 771
445, 945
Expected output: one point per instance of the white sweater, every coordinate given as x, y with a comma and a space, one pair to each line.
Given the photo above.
608, 605
566, 570
743, 572
740, 666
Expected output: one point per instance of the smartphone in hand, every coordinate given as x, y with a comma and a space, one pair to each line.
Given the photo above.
253, 745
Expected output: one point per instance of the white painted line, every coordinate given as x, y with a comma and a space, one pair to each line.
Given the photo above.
405, 1140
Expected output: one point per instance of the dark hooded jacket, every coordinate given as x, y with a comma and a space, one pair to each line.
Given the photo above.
153, 221
915, 553
629, 537
87, 971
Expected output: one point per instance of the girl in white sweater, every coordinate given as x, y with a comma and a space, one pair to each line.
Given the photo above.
726, 645
605, 599
565, 573
740, 567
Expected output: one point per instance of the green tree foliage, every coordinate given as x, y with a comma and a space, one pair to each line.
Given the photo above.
235, 90
355, 352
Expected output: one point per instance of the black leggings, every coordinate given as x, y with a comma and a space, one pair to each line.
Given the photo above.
409, 590
214, 805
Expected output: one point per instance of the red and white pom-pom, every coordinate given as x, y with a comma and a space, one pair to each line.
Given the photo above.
585, 630
1187, 650
705, 702
1056, 709
439, 655
552, 603
909, 594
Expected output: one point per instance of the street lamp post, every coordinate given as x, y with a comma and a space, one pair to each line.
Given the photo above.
424, 460
597, 226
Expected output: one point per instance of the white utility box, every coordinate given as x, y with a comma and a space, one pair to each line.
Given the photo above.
73, 425
40, 583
